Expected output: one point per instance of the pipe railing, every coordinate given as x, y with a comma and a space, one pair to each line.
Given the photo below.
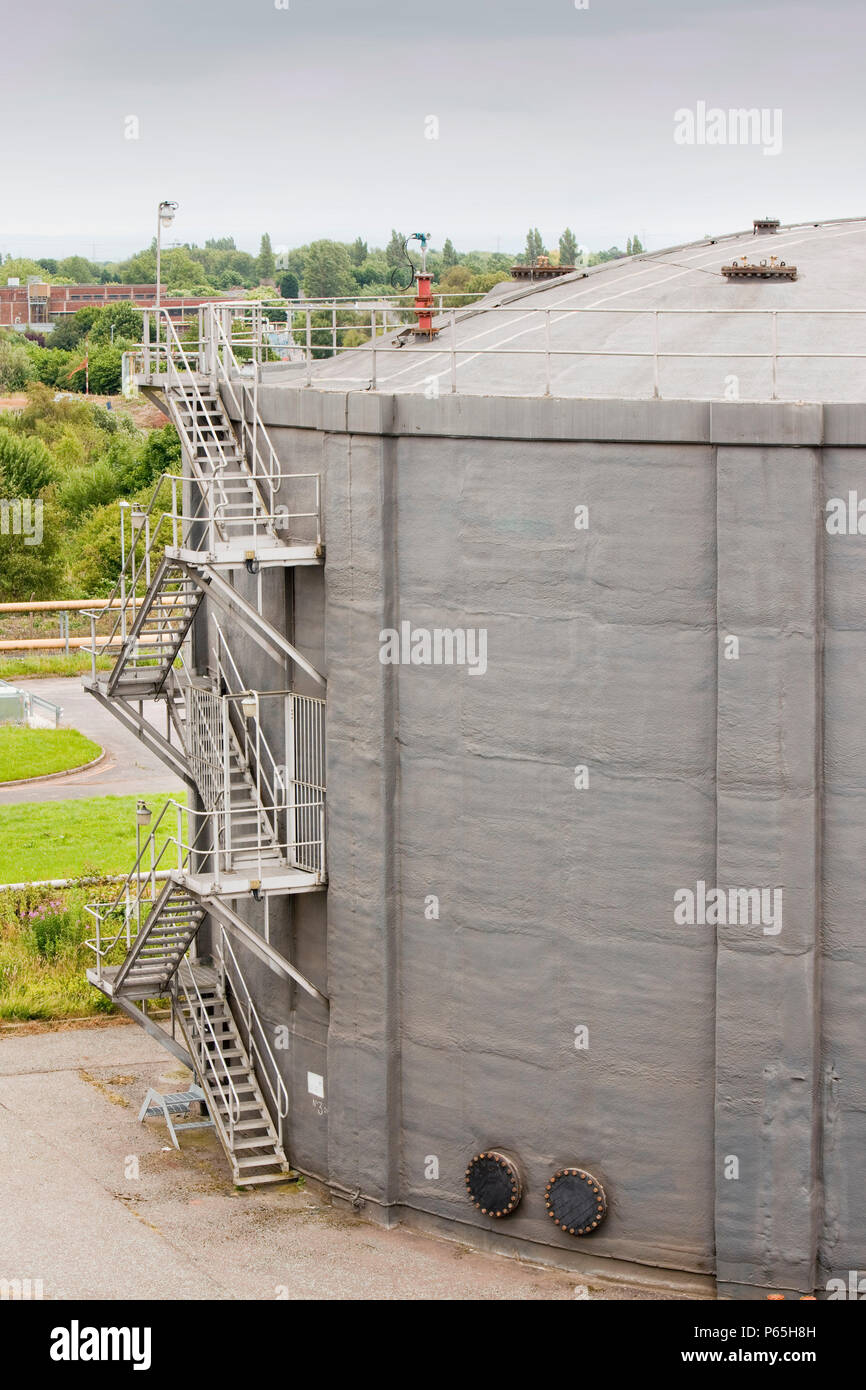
147, 528
138, 888
258, 1046
212, 1065
379, 340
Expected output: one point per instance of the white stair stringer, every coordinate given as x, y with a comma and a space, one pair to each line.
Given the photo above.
227, 1077
164, 939
157, 635
218, 463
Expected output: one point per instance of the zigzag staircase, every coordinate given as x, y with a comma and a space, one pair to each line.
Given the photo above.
218, 462
255, 821
163, 941
158, 633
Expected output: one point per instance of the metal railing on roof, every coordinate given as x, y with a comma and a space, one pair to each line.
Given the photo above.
370, 336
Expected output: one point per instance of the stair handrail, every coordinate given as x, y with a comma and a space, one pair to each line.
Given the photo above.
278, 1092
297, 796
204, 1057
223, 362
214, 341
238, 689
185, 382
132, 568
263, 464
132, 901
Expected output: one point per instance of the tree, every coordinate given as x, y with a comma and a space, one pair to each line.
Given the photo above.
106, 370
16, 367
221, 243
628, 247
534, 246
69, 332
26, 465
449, 255
48, 265
568, 248
36, 570
395, 253
20, 267
78, 269
121, 316
636, 246
328, 270
266, 265
52, 364
289, 287
358, 251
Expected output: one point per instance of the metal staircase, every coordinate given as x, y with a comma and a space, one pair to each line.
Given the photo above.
161, 944
255, 819
158, 632
228, 1077
241, 513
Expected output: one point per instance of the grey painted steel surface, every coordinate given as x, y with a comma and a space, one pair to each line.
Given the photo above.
606, 648
602, 335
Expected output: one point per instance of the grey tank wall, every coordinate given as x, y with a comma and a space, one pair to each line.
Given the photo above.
607, 650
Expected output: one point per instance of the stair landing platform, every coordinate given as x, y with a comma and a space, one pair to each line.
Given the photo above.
233, 553
235, 883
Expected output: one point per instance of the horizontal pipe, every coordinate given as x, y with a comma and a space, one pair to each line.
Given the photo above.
63, 605
46, 644
76, 882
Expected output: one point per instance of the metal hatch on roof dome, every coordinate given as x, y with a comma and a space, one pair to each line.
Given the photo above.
770, 269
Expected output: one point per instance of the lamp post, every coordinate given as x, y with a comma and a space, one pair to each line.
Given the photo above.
164, 218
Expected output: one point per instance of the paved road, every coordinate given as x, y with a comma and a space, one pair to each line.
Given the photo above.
74, 1214
129, 770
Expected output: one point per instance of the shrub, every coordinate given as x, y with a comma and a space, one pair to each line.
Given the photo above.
16, 368
26, 465
85, 488
50, 928
33, 569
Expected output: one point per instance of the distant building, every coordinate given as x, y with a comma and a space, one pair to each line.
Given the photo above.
38, 303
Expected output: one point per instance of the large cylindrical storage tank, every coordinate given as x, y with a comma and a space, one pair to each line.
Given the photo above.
596, 799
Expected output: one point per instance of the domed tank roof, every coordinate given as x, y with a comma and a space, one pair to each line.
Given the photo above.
669, 323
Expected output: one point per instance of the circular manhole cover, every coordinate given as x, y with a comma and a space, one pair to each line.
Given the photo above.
575, 1201
493, 1183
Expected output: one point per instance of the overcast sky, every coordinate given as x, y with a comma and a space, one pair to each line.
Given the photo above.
310, 122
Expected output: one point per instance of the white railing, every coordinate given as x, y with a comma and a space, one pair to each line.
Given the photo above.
253, 1032
361, 333
200, 850
138, 893
174, 364
290, 794
150, 529
199, 1031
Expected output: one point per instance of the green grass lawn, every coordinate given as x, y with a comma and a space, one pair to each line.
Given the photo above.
36, 752
13, 668
43, 957
67, 839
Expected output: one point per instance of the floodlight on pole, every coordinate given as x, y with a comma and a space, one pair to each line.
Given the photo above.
164, 218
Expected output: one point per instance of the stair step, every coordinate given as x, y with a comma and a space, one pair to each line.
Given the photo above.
259, 1162
283, 1176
